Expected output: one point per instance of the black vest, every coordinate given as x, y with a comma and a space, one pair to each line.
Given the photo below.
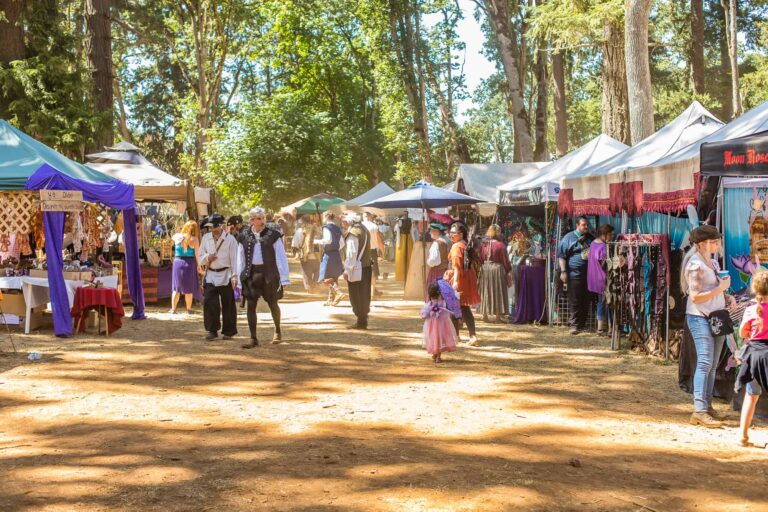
268, 239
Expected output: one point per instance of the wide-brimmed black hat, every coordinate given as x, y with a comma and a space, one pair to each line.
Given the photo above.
214, 220
235, 220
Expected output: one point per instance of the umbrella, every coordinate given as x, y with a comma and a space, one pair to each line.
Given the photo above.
423, 195
317, 205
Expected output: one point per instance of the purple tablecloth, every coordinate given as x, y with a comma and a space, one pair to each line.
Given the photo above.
530, 294
164, 278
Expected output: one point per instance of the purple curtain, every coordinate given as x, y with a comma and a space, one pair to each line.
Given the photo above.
132, 265
53, 225
112, 193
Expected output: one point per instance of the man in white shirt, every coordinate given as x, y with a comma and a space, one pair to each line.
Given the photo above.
377, 247
358, 254
218, 255
262, 267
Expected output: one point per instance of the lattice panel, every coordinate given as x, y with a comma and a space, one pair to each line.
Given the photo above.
17, 210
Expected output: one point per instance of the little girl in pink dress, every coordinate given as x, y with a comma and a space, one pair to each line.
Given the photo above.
439, 333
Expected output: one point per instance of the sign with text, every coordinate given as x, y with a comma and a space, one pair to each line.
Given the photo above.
61, 195
61, 200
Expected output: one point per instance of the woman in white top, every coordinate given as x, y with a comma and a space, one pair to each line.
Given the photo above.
706, 294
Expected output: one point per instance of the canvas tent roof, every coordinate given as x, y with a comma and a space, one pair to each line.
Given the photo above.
589, 191
317, 198
151, 183
482, 180
669, 184
545, 186
21, 156
378, 191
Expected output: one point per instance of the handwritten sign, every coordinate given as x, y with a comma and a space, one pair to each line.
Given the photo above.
61, 200
61, 195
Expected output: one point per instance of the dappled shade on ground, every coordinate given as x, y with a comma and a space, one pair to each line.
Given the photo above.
339, 420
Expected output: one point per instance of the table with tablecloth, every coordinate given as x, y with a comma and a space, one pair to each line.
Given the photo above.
105, 300
530, 294
35, 291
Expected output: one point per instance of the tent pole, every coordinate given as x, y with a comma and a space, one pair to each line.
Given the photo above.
666, 334
424, 253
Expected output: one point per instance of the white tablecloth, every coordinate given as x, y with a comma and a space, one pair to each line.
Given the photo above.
36, 289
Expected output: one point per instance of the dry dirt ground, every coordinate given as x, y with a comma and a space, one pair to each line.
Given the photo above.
156, 419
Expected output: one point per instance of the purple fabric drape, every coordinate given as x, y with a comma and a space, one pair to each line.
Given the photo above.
112, 193
132, 264
530, 294
53, 225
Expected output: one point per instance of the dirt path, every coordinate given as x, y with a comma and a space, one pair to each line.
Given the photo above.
155, 419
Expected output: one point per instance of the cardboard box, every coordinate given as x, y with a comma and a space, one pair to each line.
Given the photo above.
13, 304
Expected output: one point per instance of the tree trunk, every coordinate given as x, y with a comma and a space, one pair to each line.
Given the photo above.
561, 113
724, 78
122, 118
11, 31
697, 45
542, 104
98, 48
638, 69
501, 25
731, 31
615, 102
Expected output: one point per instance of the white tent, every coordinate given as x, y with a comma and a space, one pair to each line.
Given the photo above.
151, 184
482, 180
669, 184
380, 190
589, 190
545, 186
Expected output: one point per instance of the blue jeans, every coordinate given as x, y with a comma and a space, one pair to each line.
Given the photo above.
708, 350
602, 307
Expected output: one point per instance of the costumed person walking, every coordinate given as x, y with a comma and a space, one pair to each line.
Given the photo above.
184, 279
437, 257
572, 256
439, 333
358, 270
462, 277
706, 297
377, 247
309, 254
218, 256
235, 225
263, 269
596, 276
495, 275
331, 266
753, 374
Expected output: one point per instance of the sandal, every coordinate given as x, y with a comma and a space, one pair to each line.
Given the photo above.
746, 443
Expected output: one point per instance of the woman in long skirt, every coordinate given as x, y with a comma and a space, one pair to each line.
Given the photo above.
464, 281
495, 276
184, 273
331, 267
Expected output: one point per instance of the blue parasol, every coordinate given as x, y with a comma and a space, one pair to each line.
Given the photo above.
423, 195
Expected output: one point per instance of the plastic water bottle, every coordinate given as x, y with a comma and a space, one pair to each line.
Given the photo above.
34, 356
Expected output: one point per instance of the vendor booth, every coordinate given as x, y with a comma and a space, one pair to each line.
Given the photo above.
315, 204
45, 198
166, 204
526, 215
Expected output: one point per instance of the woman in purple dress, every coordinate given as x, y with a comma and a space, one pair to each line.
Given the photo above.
596, 278
184, 274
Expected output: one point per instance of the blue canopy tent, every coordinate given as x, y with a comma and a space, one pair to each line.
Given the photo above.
28, 164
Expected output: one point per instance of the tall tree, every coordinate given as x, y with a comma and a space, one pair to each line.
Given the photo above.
98, 46
403, 15
731, 29
697, 45
615, 101
542, 104
501, 25
636, 21
558, 95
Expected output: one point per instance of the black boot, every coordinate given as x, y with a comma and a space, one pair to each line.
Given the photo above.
253, 343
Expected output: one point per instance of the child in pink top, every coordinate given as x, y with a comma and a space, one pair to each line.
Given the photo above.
439, 333
752, 358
